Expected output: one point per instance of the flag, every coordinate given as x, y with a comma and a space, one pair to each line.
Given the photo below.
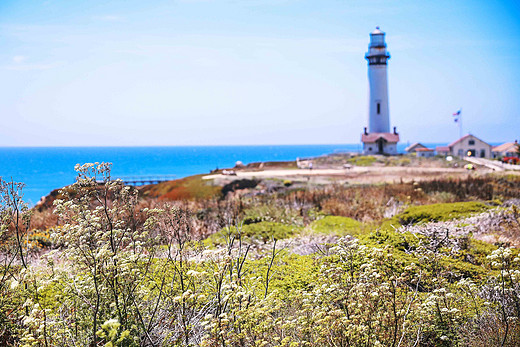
456, 116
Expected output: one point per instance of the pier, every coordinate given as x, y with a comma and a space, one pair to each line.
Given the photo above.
144, 180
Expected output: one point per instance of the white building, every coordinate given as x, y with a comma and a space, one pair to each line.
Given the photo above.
425, 152
508, 149
378, 139
443, 150
470, 146
414, 147
380, 143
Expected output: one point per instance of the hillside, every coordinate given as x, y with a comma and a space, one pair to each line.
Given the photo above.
290, 260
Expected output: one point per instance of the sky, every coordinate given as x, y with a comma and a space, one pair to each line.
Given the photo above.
250, 72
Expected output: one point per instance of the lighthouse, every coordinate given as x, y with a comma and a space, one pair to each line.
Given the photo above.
377, 138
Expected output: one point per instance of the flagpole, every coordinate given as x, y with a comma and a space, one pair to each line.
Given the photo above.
460, 125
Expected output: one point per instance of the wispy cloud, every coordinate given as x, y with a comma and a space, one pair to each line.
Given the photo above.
19, 64
18, 59
28, 67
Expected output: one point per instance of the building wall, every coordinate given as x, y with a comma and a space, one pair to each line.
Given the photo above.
507, 153
479, 147
371, 148
425, 154
391, 148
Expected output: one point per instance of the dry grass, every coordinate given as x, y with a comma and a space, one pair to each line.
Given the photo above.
188, 188
364, 203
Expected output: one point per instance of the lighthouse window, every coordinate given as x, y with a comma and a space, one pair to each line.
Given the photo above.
378, 108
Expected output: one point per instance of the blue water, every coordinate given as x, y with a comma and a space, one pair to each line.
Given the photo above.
43, 169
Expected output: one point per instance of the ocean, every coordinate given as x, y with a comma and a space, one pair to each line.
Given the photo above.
43, 169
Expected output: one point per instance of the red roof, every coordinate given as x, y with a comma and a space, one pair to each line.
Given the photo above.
424, 150
373, 137
457, 141
414, 147
442, 149
505, 147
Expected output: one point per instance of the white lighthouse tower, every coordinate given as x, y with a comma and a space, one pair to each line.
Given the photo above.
378, 139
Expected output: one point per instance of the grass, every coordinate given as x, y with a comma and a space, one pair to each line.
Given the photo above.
398, 161
363, 160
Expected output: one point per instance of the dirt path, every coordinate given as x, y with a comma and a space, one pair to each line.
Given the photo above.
492, 164
371, 174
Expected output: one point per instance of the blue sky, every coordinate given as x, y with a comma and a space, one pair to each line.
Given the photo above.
216, 72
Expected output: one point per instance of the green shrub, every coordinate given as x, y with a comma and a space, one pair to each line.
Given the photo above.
403, 242
439, 212
259, 212
293, 271
462, 269
262, 231
336, 225
478, 251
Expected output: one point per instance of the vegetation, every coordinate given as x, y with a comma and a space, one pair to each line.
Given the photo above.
192, 187
439, 212
259, 232
362, 160
338, 159
428, 264
336, 225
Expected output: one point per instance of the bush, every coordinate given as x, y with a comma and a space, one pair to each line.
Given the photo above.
262, 231
336, 225
271, 212
439, 212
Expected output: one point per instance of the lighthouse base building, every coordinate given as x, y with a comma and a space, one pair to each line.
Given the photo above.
377, 138
380, 143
